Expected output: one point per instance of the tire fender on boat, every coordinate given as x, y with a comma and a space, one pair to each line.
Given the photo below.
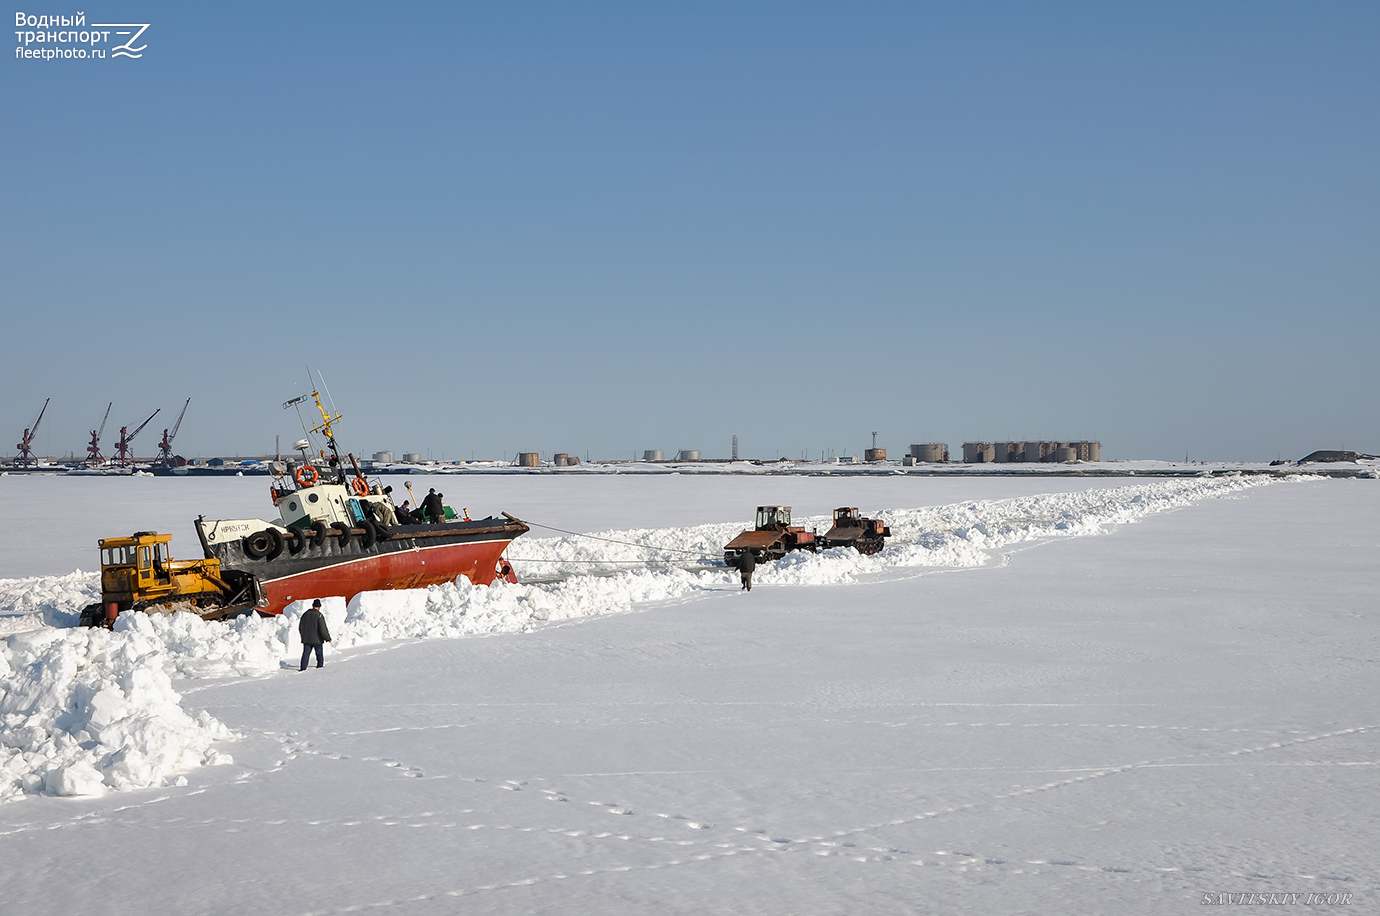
370, 535
319, 532
294, 540
344, 530
257, 545
275, 543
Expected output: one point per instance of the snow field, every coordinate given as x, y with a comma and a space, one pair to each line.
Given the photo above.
87, 712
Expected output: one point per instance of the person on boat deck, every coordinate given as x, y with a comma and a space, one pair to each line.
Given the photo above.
405, 514
433, 507
383, 512
314, 633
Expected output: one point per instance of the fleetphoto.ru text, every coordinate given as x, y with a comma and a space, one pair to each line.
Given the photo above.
49, 37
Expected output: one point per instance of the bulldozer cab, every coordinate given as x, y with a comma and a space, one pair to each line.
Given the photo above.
847, 517
771, 517
137, 565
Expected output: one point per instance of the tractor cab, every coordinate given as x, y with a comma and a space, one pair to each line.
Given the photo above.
773, 518
138, 565
847, 517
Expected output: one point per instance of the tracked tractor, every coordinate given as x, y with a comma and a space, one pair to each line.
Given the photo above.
138, 572
850, 529
772, 539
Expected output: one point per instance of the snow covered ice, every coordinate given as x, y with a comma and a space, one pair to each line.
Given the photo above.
995, 714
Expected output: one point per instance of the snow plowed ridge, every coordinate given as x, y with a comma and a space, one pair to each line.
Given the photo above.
962, 534
84, 712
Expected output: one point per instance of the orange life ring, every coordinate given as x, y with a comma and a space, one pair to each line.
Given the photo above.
273, 492
360, 487
307, 476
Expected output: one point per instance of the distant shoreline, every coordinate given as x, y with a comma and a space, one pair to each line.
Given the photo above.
780, 468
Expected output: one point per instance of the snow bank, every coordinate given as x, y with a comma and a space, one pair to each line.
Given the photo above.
86, 711
959, 535
54, 601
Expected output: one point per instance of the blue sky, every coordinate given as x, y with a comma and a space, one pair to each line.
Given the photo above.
602, 228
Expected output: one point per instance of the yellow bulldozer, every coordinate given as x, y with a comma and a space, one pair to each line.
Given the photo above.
139, 573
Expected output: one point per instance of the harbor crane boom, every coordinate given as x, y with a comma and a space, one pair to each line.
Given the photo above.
26, 455
165, 453
122, 452
93, 448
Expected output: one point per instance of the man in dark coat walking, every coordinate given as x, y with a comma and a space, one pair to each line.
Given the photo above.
433, 507
746, 564
314, 634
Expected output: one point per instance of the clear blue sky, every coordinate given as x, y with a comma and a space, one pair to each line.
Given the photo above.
601, 228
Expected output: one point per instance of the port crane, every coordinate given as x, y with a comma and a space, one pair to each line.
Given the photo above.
122, 452
93, 448
26, 455
166, 458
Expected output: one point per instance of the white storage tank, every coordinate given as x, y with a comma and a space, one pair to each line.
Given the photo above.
930, 451
1066, 453
1032, 452
652, 454
978, 452
688, 454
383, 457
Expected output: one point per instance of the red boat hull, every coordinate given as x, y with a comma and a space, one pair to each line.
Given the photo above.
478, 561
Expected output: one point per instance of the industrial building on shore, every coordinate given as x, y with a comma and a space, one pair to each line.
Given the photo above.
1028, 451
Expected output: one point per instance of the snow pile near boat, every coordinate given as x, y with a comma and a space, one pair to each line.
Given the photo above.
89, 711
86, 711
54, 601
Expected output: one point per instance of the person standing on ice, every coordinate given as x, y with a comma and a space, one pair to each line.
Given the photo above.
314, 634
746, 564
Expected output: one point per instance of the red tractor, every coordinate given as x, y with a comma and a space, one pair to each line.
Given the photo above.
850, 529
772, 539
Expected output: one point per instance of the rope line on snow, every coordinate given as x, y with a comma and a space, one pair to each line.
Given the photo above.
703, 561
595, 537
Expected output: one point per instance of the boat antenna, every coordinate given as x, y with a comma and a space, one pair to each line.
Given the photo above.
328, 393
297, 402
324, 427
327, 418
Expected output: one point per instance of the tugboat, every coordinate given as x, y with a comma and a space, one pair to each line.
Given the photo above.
336, 535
